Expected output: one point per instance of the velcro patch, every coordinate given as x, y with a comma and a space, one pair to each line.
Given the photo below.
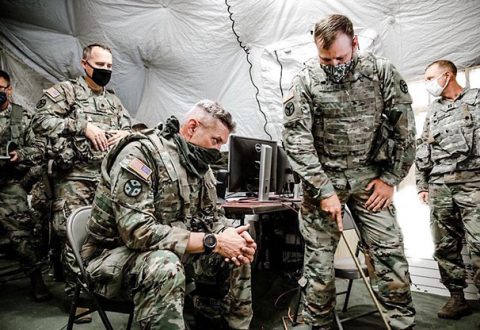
139, 167
52, 92
288, 97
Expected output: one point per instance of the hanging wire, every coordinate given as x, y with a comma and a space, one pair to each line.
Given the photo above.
281, 73
247, 52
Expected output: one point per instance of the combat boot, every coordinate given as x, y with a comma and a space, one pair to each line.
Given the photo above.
39, 289
455, 308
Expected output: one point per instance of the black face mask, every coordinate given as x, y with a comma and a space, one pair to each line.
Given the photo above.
3, 98
101, 77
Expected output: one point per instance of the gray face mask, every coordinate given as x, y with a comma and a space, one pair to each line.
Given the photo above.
338, 72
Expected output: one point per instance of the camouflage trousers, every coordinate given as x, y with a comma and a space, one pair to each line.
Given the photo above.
19, 227
156, 280
455, 216
384, 243
69, 195
41, 206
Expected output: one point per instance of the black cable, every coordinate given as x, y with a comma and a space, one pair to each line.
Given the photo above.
247, 52
275, 304
281, 73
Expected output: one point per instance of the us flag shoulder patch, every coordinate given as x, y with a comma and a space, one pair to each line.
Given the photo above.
138, 167
53, 92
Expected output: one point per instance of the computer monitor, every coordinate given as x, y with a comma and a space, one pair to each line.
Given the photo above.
244, 160
285, 177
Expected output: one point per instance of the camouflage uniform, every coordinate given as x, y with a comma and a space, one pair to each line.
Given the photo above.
18, 225
145, 207
330, 130
61, 118
448, 167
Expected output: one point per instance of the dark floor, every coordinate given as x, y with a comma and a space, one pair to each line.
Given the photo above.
272, 291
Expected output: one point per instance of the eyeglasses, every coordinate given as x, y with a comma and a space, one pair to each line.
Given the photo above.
4, 87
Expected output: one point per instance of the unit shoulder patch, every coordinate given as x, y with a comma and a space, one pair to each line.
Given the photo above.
138, 167
289, 109
403, 86
132, 188
41, 103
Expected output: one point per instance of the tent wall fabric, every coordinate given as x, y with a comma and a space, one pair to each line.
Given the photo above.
168, 54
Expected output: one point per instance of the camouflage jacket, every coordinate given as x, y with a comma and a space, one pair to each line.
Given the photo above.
449, 148
331, 128
15, 131
61, 118
146, 200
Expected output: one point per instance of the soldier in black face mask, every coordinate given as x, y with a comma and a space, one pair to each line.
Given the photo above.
4, 96
81, 120
18, 225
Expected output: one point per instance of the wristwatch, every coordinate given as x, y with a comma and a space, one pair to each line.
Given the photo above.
209, 243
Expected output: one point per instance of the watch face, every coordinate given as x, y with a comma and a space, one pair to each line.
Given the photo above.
210, 240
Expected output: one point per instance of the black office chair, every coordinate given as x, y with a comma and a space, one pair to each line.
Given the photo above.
345, 268
76, 234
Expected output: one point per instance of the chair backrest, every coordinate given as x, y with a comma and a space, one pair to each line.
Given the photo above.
348, 222
77, 232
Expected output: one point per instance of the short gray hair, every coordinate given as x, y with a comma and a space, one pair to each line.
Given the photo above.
216, 111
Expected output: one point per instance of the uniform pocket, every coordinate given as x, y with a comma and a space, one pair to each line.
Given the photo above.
61, 212
106, 271
423, 157
476, 142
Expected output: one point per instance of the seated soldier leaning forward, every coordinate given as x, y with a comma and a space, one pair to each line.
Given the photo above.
155, 214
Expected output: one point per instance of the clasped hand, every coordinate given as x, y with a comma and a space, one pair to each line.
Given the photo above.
236, 245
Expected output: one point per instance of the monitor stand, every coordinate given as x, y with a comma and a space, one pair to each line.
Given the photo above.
265, 173
296, 191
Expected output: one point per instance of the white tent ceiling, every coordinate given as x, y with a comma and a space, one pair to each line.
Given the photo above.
169, 54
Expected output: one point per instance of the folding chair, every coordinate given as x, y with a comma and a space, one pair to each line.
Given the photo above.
351, 269
76, 234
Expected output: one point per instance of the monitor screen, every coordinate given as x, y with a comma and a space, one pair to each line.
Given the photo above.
244, 164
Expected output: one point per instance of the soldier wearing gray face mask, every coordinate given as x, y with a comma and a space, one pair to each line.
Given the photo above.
448, 179
334, 112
